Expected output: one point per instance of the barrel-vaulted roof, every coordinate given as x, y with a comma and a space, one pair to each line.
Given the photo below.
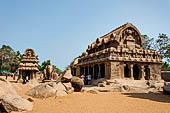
116, 35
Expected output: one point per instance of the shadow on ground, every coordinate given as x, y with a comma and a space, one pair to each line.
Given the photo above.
159, 97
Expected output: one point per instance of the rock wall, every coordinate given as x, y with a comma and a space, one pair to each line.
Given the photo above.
115, 70
155, 70
165, 75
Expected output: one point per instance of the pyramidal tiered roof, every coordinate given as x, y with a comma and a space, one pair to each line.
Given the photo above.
29, 61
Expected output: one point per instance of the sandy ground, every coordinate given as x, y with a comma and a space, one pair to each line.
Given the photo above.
100, 103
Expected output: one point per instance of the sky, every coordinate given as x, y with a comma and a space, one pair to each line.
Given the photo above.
60, 30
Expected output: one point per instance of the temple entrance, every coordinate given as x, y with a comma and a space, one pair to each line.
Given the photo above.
102, 70
91, 71
96, 71
73, 71
28, 74
86, 71
81, 70
86, 76
147, 72
126, 71
136, 72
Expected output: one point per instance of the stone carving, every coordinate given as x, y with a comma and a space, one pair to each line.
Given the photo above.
49, 72
127, 49
28, 65
128, 35
29, 53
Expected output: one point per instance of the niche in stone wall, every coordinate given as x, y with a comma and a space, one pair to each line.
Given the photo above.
130, 37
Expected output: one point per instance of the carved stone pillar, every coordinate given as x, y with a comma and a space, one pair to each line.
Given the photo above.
142, 72
107, 70
84, 70
99, 73
114, 70
131, 71
31, 74
121, 72
34, 75
20, 73
77, 71
88, 70
93, 71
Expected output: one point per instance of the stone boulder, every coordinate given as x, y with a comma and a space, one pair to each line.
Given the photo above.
16, 87
55, 76
166, 89
13, 102
61, 90
33, 82
128, 85
6, 87
77, 83
50, 89
155, 84
69, 88
44, 90
61, 93
92, 91
96, 82
165, 75
67, 76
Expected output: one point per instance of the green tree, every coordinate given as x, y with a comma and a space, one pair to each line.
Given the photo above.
37, 58
149, 42
19, 55
163, 46
8, 58
166, 65
57, 70
40, 68
45, 63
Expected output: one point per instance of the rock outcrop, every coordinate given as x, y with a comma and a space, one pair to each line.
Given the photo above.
6, 87
33, 82
77, 83
50, 89
64, 85
166, 89
13, 102
122, 85
44, 90
67, 76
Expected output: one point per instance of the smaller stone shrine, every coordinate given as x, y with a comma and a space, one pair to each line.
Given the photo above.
28, 65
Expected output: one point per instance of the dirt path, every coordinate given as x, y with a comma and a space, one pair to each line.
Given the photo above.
104, 103
101, 103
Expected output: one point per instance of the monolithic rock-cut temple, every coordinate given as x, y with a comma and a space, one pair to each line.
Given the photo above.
118, 55
28, 65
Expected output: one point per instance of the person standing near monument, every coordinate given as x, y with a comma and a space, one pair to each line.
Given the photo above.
6, 74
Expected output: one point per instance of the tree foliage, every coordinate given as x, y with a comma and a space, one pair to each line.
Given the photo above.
45, 63
149, 42
163, 46
166, 65
9, 60
57, 70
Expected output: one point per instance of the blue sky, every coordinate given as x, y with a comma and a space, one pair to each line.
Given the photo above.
61, 30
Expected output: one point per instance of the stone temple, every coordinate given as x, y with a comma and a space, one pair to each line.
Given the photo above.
28, 65
119, 55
